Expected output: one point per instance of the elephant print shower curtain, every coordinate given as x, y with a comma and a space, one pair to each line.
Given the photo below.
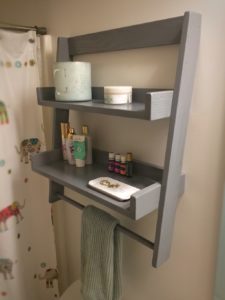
27, 251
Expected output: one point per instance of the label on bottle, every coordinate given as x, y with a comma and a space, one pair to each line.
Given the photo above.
123, 169
117, 167
111, 166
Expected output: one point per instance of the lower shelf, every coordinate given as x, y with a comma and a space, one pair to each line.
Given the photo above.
143, 202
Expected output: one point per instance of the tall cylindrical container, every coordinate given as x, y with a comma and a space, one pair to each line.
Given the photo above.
64, 134
88, 141
70, 147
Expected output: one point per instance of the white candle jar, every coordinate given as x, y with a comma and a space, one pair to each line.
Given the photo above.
72, 81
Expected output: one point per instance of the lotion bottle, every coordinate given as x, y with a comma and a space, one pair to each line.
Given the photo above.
64, 134
88, 141
70, 147
79, 150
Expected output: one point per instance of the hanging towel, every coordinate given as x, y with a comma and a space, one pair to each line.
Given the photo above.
100, 256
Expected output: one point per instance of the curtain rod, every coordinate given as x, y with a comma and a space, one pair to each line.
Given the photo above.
39, 30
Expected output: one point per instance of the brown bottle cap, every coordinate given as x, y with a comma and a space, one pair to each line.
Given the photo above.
85, 130
129, 156
71, 132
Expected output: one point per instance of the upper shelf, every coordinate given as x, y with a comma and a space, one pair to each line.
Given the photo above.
147, 104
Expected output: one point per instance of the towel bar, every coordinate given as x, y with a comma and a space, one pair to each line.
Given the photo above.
121, 228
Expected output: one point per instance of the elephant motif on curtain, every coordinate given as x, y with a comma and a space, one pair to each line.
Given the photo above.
6, 266
27, 147
3, 114
49, 276
10, 211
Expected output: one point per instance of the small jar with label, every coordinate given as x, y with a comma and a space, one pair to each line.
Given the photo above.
117, 164
111, 162
123, 164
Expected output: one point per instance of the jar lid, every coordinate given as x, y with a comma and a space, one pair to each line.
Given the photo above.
117, 157
72, 130
123, 158
111, 155
129, 156
85, 130
117, 89
71, 133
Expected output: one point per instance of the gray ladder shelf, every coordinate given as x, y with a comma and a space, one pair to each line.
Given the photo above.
160, 188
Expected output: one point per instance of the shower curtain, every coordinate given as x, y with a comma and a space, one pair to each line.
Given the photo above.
28, 267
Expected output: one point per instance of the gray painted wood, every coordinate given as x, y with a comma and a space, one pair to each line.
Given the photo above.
59, 115
161, 103
54, 190
119, 227
63, 50
147, 104
167, 184
157, 33
50, 164
142, 168
145, 201
176, 138
77, 179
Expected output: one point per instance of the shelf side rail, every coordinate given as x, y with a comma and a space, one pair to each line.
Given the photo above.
186, 66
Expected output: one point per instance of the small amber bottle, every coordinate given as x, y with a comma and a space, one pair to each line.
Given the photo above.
129, 164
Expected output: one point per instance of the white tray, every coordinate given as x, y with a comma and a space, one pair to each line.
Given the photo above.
114, 188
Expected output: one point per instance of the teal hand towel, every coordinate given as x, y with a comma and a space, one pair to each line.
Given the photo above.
100, 256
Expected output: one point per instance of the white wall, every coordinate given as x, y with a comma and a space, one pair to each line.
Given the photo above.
190, 271
220, 273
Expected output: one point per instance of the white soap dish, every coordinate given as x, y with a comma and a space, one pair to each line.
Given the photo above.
114, 188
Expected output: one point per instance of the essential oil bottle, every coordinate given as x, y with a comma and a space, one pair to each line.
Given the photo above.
123, 164
117, 164
111, 162
129, 164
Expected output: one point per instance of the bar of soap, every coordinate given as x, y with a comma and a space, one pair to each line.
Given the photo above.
112, 187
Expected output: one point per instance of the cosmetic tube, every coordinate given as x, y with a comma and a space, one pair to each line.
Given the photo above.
70, 147
88, 141
79, 150
64, 133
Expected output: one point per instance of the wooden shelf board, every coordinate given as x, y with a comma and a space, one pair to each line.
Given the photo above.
147, 104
